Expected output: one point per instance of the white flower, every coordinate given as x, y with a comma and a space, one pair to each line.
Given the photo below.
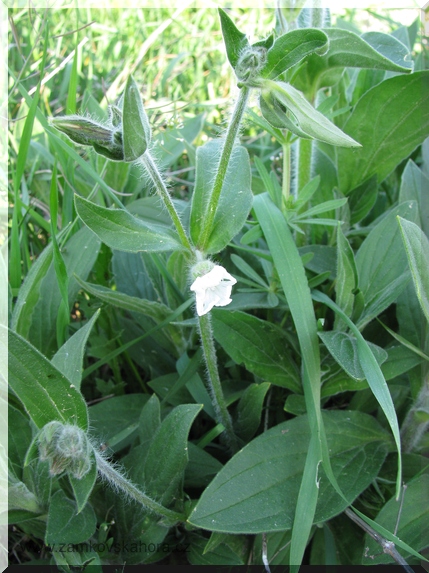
213, 289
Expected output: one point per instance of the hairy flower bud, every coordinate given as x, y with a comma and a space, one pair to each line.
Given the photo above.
249, 66
105, 139
66, 448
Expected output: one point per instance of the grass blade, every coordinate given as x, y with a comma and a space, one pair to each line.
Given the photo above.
295, 286
374, 377
63, 317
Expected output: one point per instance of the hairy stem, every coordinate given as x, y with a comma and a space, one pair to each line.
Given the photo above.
216, 392
117, 480
151, 168
231, 135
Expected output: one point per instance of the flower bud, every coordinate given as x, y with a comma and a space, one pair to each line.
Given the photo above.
249, 65
105, 139
66, 448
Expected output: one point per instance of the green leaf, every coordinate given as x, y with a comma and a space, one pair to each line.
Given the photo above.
235, 199
343, 348
347, 49
374, 377
396, 54
120, 230
235, 41
69, 358
150, 419
136, 130
414, 184
362, 199
295, 286
307, 192
347, 277
116, 420
321, 208
390, 121
79, 253
306, 118
82, 488
26, 137
19, 436
257, 489
274, 190
157, 311
382, 263
65, 524
417, 248
400, 360
21, 498
29, 292
63, 316
260, 345
44, 391
247, 270
222, 553
163, 474
373, 50
291, 48
294, 282
171, 143
339, 382
201, 468
249, 410
306, 503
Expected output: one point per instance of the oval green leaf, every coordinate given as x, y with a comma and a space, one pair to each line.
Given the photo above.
257, 489
120, 230
44, 391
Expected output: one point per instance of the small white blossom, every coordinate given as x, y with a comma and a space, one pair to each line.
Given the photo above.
213, 289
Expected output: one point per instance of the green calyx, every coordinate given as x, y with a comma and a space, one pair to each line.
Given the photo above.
106, 139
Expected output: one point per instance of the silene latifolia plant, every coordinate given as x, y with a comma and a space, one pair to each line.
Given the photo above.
310, 287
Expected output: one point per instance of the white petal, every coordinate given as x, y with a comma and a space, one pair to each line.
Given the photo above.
213, 289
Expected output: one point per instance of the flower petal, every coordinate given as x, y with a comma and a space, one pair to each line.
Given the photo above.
213, 289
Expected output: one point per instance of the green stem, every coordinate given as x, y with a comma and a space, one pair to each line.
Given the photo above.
286, 173
149, 164
216, 392
304, 163
231, 135
118, 481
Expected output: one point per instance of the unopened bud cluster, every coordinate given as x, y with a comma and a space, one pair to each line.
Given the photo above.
66, 448
249, 66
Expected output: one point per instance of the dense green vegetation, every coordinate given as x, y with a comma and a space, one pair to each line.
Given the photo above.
286, 151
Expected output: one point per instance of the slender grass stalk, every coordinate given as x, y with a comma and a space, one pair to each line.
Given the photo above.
216, 392
388, 547
149, 164
231, 135
118, 481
